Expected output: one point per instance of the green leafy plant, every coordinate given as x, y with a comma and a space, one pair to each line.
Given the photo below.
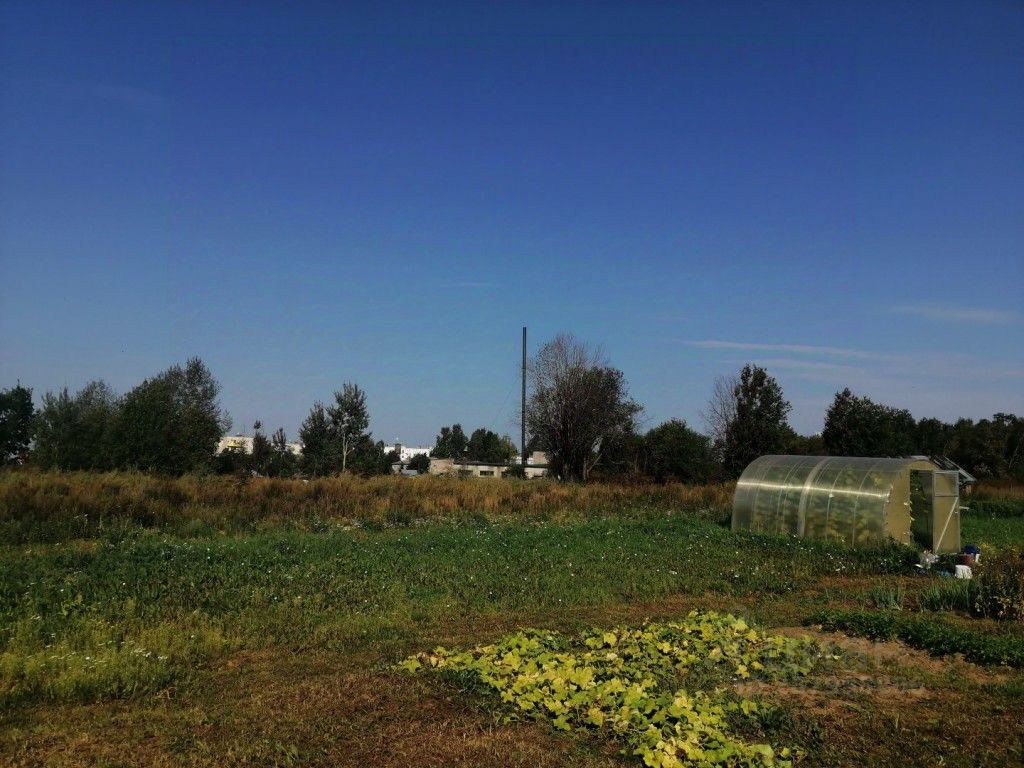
622, 683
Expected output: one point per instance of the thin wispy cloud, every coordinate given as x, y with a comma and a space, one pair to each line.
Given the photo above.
957, 314
797, 349
813, 366
955, 366
833, 374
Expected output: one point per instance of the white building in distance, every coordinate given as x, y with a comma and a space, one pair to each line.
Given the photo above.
244, 444
406, 452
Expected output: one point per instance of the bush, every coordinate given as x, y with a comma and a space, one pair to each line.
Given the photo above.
1000, 590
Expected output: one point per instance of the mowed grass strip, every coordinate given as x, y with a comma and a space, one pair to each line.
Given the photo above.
95, 619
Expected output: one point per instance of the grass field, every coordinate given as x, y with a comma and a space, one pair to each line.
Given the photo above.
277, 644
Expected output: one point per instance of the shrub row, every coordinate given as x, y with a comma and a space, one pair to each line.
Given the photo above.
928, 633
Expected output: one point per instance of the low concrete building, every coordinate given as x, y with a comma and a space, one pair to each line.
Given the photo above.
536, 466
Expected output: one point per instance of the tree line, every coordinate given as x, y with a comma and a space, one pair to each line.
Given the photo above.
580, 413
172, 423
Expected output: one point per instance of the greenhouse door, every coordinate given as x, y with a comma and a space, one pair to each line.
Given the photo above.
921, 507
945, 517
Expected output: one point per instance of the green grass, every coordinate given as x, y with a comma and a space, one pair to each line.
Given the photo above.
887, 597
104, 618
994, 507
992, 533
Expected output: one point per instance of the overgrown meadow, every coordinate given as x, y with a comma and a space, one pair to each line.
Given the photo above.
52, 506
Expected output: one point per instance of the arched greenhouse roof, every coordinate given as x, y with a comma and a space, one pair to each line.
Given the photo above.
852, 499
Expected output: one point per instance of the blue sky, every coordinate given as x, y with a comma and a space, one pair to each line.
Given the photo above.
304, 194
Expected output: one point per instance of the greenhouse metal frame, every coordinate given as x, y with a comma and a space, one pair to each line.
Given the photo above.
855, 500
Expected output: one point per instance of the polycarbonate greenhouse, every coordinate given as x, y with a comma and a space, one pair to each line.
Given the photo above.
851, 499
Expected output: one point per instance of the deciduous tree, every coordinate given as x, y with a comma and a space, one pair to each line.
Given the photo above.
857, 426
760, 425
171, 422
720, 411
579, 405
16, 421
420, 462
349, 419
485, 445
451, 443
77, 432
262, 451
369, 457
319, 453
673, 451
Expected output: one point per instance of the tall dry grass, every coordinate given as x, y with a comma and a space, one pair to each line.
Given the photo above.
51, 506
996, 491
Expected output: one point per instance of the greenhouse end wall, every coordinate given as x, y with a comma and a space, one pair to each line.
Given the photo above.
851, 499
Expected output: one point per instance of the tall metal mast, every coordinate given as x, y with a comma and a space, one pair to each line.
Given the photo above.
522, 444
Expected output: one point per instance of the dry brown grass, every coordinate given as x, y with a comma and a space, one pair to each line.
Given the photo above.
279, 710
998, 491
50, 506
